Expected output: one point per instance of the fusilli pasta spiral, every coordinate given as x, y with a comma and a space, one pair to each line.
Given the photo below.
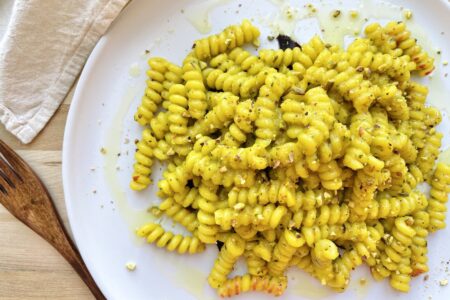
154, 233
307, 157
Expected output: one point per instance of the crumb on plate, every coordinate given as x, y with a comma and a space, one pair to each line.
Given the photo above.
336, 13
408, 14
131, 266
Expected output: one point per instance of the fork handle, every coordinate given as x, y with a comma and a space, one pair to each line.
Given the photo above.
25, 196
71, 254
58, 237
54, 233
41, 216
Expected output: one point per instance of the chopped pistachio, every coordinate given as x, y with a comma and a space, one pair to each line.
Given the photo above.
239, 206
336, 13
408, 14
362, 281
276, 164
170, 152
131, 266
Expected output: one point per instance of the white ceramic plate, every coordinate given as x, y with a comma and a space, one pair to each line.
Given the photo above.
102, 210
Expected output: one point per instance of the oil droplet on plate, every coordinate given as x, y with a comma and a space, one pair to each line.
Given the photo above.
198, 14
133, 217
135, 70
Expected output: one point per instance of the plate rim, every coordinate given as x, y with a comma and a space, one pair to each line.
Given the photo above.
65, 164
67, 153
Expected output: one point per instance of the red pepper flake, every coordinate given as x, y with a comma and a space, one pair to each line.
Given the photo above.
135, 178
361, 131
429, 72
417, 272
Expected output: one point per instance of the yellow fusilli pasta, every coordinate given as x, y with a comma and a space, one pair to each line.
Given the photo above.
309, 157
144, 161
154, 233
234, 247
242, 284
232, 37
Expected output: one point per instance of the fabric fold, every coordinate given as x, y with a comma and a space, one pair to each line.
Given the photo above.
44, 49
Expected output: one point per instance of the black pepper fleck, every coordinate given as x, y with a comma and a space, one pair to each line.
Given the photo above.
285, 42
219, 244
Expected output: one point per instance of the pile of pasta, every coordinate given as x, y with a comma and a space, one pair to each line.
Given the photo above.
306, 157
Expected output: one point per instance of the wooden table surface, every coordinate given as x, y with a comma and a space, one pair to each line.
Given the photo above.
29, 267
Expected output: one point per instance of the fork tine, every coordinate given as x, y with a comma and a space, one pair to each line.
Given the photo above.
5, 184
17, 163
3, 190
6, 170
5, 178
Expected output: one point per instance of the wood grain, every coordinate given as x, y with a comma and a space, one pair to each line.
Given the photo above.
26, 197
29, 266
31, 269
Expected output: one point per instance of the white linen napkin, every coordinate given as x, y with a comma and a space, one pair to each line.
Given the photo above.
42, 52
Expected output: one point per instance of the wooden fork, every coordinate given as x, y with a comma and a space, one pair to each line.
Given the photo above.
25, 196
